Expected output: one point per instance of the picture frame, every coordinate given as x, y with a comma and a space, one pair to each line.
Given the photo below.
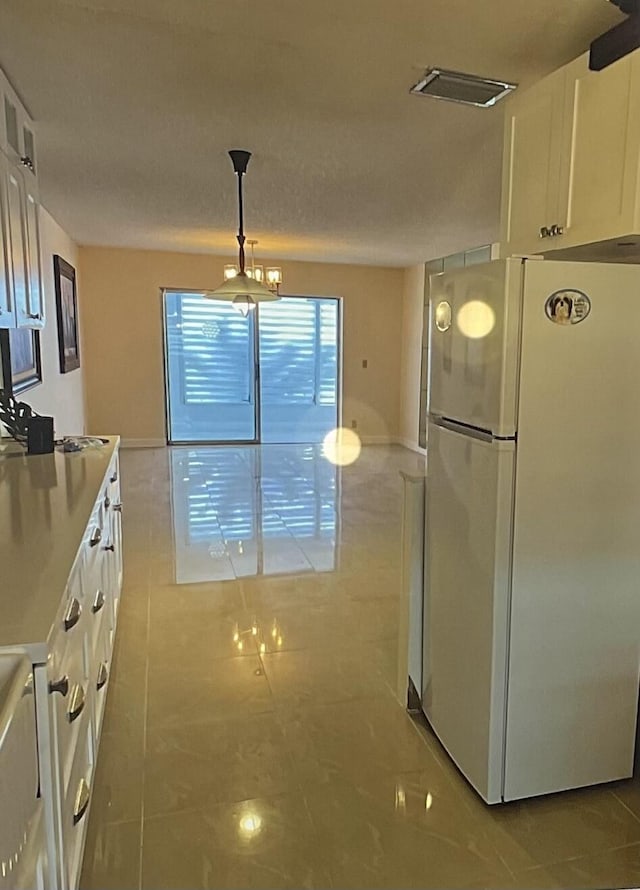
20, 360
64, 276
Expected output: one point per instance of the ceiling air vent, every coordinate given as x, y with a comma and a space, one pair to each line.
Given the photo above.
453, 86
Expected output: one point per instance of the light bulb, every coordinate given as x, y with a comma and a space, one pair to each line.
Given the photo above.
244, 304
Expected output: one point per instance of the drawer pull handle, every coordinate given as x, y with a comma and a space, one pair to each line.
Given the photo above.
76, 706
82, 801
103, 676
107, 502
96, 538
114, 478
117, 508
73, 614
110, 548
99, 602
61, 686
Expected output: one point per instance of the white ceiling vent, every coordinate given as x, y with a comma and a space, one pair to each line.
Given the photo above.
453, 86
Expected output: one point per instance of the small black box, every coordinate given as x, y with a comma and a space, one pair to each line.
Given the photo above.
40, 435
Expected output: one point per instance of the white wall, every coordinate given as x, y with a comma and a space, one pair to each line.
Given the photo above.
411, 354
60, 395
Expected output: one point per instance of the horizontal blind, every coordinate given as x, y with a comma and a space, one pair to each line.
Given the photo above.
213, 346
298, 347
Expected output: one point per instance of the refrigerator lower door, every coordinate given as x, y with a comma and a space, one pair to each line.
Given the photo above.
469, 503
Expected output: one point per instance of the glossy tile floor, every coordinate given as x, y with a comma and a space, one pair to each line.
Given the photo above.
252, 735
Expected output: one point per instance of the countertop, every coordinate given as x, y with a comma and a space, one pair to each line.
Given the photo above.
46, 502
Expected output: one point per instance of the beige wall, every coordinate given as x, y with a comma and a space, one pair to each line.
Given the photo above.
122, 335
60, 395
411, 354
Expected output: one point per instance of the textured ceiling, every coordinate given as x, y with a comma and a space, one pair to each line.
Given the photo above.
138, 101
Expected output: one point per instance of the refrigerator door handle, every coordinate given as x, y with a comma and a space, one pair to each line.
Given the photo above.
463, 429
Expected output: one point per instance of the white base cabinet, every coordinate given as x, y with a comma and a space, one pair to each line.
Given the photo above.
71, 681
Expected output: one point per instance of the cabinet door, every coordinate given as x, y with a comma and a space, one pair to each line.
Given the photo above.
34, 262
7, 308
534, 142
599, 172
16, 130
17, 240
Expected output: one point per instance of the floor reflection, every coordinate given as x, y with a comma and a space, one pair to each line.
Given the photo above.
246, 511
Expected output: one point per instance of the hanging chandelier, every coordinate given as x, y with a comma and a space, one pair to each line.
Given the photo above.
243, 290
272, 276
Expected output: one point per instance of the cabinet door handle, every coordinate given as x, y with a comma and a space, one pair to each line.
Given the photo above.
114, 478
103, 676
96, 537
107, 502
110, 548
117, 508
81, 802
61, 686
98, 603
557, 230
73, 614
34, 315
76, 705
545, 231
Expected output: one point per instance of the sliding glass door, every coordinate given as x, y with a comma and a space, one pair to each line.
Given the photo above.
272, 377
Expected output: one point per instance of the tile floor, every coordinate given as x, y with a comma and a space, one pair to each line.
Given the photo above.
252, 735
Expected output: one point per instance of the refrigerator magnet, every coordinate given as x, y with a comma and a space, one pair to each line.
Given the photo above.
567, 307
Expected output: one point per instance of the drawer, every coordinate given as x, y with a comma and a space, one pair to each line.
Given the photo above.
75, 805
69, 620
18, 766
100, 678
69, 701
31, 871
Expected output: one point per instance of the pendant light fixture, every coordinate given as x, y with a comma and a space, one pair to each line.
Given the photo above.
242, 290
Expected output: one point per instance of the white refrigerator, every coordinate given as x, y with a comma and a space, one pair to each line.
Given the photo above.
531, 656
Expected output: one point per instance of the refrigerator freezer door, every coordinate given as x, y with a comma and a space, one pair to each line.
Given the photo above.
575, 619
469, 502
474, 345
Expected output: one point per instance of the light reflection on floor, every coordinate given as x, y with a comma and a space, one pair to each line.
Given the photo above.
248, 511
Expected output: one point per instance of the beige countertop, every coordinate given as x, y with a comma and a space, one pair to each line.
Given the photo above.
45, 505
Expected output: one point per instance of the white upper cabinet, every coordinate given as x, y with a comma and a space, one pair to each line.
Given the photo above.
572, 150
21, 291
600, 171
533, 146
17, 131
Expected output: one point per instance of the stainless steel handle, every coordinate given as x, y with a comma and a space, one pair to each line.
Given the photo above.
27, 162
98, 602
81, 805
107, 502
114, 478
34, 315
103, 676
73, 614
110, 547
117, 508
96, 537
545, 231
76, 705
61, 686
557, 230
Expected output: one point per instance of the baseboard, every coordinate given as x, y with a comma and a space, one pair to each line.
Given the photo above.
142, 443
412, 446
376, 440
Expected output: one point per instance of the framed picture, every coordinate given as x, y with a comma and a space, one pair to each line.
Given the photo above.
20, 361
64, 276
